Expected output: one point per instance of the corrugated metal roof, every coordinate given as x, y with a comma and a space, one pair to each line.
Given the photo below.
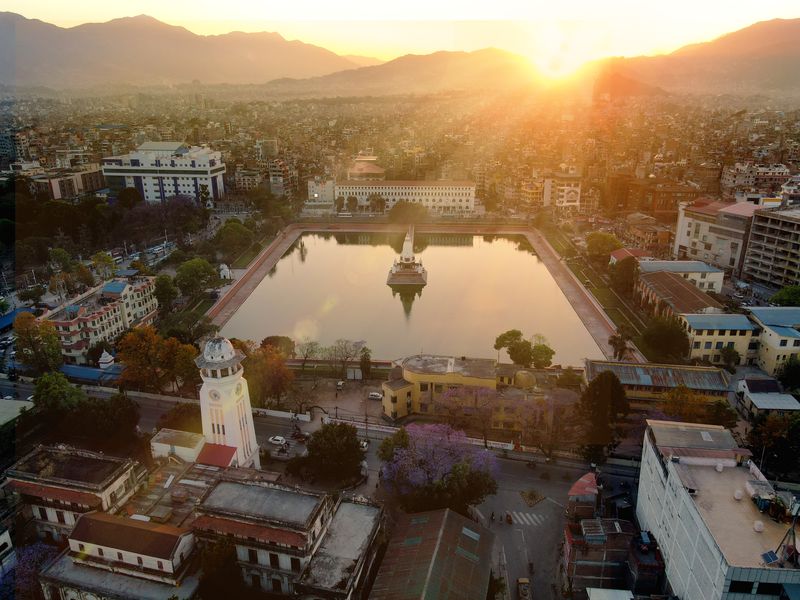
780, 319
774, 401
701, 321
661, 376
679, 293
677, 266
115, 287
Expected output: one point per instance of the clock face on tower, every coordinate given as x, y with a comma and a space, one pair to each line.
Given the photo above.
214, 394
238, 389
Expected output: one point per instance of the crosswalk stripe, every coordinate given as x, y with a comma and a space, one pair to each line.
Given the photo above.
538, 518
520, 518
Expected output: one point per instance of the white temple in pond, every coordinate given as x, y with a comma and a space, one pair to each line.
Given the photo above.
407, 270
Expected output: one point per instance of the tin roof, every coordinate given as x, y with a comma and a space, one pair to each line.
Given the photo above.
660, 376
262, 533
678, 293
216, 455
677, 266
781, 319
774, 401
719, 321
130, 535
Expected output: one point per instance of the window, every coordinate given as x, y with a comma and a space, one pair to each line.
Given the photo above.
99, 552
160, 565
60, 516
252, 556
740, 587
707, 345
139, 560
769, 589
783, 342
81, 547
437, 388
119, 555
423, 387
696, 345
274, 561
722, 331
295, 564
718, 345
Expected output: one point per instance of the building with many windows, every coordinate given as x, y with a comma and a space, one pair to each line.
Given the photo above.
161, 170
720, 524
102, 314
246, 180
59, 484
703, 276
710, 334
773, 249
779, 339
714, 232
68, 183
124, 559
669, 295
439, 197
749, 175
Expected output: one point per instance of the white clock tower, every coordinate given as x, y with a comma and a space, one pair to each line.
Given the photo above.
225, 402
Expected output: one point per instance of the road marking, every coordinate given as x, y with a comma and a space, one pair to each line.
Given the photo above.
480, 514
529, 519
556, 502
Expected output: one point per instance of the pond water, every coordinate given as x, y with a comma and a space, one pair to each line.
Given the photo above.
331, 286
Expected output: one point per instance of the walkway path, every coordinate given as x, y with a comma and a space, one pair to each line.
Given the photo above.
594, 318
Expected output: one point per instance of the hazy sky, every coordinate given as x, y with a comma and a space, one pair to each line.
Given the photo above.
557, 35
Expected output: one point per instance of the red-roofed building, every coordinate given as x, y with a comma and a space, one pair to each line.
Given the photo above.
623, 253
582, 498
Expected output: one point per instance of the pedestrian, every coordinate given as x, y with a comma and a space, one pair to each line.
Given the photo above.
492, 517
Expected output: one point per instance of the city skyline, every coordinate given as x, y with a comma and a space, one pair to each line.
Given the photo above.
558, 40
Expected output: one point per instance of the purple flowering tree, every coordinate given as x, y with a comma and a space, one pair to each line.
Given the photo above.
468, 407
433, 467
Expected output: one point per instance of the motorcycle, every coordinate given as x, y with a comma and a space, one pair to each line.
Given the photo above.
508, 518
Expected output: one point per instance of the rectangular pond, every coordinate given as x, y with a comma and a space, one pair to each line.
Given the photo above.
333, 285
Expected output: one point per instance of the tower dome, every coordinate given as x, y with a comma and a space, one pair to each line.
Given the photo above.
218, 354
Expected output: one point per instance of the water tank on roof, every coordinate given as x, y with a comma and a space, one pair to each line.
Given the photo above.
758, 526
719, 467
738, 495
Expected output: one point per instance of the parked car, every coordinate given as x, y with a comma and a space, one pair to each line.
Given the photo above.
363, 444
524, 588
277, 440
339, 385
375, 396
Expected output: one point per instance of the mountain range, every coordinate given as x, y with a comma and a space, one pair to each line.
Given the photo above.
142, 51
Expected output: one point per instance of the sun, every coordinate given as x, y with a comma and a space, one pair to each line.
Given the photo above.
558, 51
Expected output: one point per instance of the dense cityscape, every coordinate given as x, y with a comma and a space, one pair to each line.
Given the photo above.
381, 330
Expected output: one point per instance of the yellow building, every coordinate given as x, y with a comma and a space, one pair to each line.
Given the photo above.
425, 377
710, 334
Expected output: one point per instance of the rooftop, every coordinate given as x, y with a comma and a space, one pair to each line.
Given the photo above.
218, 455
663, 376
161, 147
691, 435
130, 535
677, 266
730, 521
679, 293
68, 465
263, 501
624, 253
767, 401
719, 321
740, 209
175, 437
11, 409
604, 594
117, 585
346, 540
436, 554
762, 385
784, 320
481, 368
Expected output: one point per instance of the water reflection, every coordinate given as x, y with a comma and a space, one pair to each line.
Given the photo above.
334, 285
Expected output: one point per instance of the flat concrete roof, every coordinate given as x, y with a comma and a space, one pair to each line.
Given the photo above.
731, 521
114, 584
345, 541
11, 409
52, 464
263, 501
175, 437
677, 266
691, 435
482, 368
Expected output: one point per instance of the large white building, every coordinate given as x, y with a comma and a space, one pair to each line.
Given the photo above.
562, 190
710, 508
441, 197
161, 170
749, 175
225, 404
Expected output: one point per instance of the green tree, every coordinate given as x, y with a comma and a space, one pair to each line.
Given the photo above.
542, 356
600, 245
365, 362
505, 339
234, 238
684, 404
32, 295
183, 416
789, 374
54, 395
602, 405
788, 296
221, 576
377, 203
352, 204
194, 276
569, 378
721, 413
624, 275
188, 327
521, 353
667, 340
407, 212
61, 259
283, 344
4, 306
731, 358
619, 342
165, 292
334, 452
339, 204
103, 264
129, 198
84, 275
775, 442
38, 345
399, 439
267, 375
152, 362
